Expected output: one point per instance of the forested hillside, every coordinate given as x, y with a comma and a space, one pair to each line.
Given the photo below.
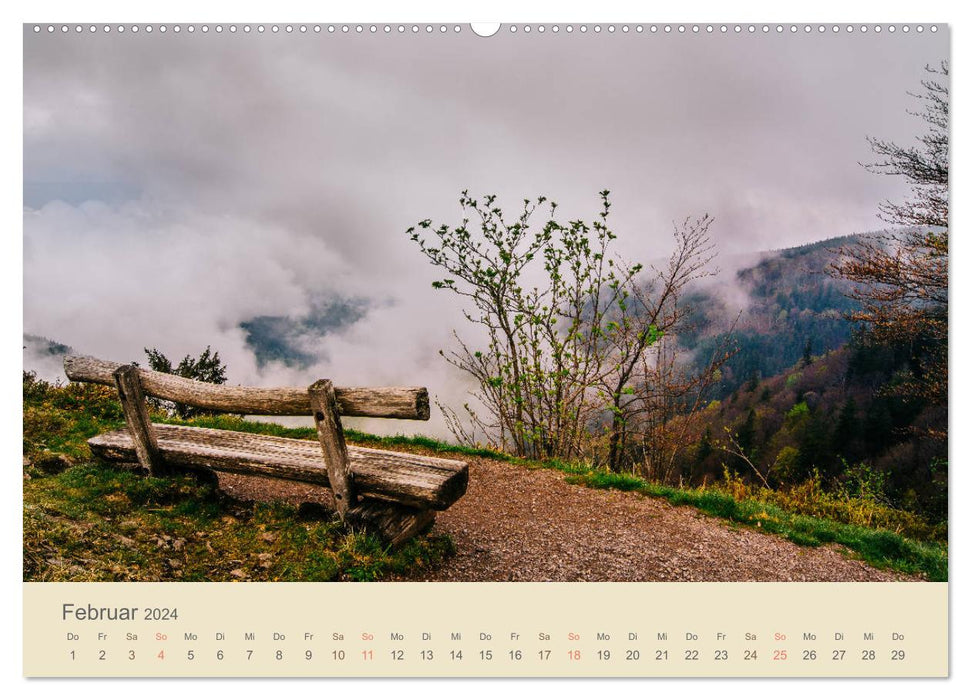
838, 419
792, 308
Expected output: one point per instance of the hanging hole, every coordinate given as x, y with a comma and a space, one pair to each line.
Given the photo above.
485, 29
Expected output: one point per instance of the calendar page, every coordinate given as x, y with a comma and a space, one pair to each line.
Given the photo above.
546, 349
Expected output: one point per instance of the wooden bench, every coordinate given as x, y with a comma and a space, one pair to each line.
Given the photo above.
392, 494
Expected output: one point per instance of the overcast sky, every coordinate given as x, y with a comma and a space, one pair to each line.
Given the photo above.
179, 185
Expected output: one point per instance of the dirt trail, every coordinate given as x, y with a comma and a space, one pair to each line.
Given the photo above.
519, 524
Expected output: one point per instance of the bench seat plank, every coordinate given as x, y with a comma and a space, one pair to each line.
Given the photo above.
413, 480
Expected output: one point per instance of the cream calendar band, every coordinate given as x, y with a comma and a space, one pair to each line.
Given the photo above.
739, 629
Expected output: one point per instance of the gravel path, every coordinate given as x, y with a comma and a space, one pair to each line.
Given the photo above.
519, 524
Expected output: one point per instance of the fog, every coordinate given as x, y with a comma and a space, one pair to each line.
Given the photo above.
177, 186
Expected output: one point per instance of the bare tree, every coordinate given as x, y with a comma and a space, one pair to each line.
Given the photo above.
668, 394
902, 276
644, 379
733, 447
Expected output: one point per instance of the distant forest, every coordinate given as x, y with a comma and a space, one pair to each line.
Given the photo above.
794, 309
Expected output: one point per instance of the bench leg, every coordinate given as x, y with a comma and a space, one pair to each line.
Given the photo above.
133, 405
327, 418
395, 524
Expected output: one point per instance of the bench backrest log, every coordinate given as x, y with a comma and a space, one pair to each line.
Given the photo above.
385, 402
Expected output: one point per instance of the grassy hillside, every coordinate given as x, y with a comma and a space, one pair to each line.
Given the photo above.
87, 521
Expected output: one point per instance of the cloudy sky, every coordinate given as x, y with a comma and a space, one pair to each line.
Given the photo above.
179, 186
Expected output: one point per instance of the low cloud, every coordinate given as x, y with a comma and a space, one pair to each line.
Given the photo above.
136, 276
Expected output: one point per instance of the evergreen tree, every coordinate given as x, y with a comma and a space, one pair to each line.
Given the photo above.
815, 451
807, 353
705, 447
746, 434
846, 431
753, 381
206, 368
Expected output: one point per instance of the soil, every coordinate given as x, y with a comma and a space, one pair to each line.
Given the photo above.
521, 524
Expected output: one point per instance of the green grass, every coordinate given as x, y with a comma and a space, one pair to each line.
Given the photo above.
426, 443
230, 422
94, 522
58, 420
233, 422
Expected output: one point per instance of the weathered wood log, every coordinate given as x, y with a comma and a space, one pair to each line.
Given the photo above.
136, 416
414, 480
392, 523
331, 436
387, 402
